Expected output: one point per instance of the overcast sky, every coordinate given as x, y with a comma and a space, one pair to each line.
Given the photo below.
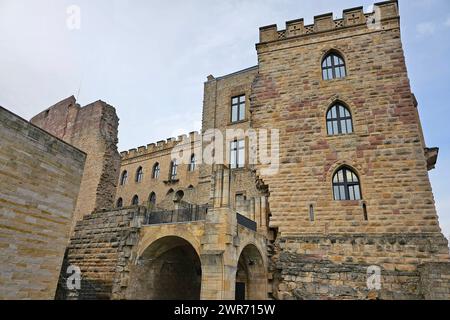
149, 59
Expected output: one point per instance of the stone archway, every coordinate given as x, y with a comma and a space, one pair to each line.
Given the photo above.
251, 280
169, 269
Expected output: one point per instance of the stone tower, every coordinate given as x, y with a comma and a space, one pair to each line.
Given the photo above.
93, 129
391, 221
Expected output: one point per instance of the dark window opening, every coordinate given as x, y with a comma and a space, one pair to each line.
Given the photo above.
237, 154
366, 216
155, 171
333, 67
346, 185
238, 108
135, 201
339, 120
139, 175
123, 178
173, 170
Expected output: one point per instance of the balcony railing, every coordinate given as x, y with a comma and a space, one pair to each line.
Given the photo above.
191, 214
246, 222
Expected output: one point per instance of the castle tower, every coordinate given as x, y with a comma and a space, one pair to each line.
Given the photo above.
93, 129
353, 189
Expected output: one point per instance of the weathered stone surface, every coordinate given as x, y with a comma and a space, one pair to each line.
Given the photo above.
93, 129
40, 178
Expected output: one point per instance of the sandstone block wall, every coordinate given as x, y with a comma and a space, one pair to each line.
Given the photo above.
93, 129
40, 178
386, 151
146, 158
96, 247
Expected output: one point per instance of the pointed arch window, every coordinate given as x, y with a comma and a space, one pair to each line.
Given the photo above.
346, 185
339, 120
123, 178
333, 67
156, 170
135, 201
139, 175
192, 163
152, 198
119, 203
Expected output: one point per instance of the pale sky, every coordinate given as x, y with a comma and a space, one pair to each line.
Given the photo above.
149, 60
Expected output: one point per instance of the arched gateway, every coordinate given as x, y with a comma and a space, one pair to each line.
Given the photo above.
169, 269
251, 275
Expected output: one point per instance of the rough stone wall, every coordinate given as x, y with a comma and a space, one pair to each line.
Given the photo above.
386, 150
435, 281
40, 178
336, 266
147, 157
92, 129
99, 242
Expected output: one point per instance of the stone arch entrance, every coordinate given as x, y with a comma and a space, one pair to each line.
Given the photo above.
169, 269
251, 281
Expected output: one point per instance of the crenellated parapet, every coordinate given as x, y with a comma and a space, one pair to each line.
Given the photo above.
325, 22
160, 146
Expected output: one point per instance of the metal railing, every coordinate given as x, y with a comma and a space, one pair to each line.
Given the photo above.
191, 214
246, 222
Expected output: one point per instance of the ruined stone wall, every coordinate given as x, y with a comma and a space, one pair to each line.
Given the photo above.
40, 178
99, 242
385, 150
146, 158
92, 129
336, 266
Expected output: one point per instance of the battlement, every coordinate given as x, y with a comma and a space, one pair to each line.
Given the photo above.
162, 145
325, 22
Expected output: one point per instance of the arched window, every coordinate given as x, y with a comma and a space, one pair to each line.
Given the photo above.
135, 201
179, 196
152, 198
346, 185
193, 163
339, 120
170, 192
139, 175
173, 169
123, 178
155, 171
333, 67
119, 203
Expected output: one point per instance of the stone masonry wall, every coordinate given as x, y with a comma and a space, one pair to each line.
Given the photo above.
386, 151
97, 246
145, 158
40, 178
92, 129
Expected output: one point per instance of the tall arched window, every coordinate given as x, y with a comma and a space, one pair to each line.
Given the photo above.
339, 120
135, 201
346, 185
139, 174
119, 203
152, 198
192, 164
123, 178
155, 171
173, 169
333, 67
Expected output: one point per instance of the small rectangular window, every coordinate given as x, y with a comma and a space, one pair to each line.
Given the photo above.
237, 154
238, 108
